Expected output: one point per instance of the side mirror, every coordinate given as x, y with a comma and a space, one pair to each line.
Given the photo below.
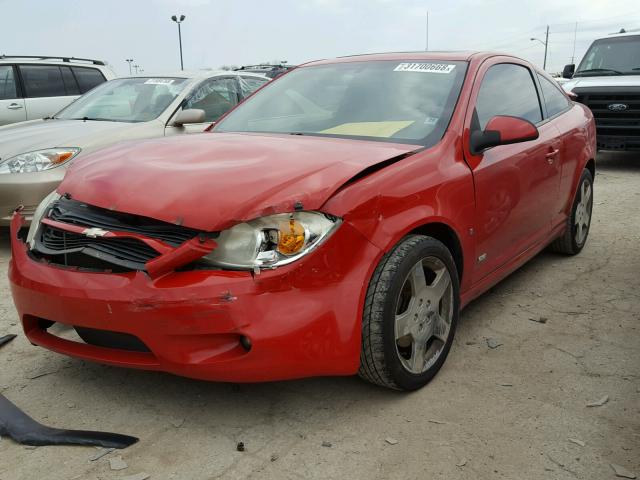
191, 115
572, 96
568, 70
502, 130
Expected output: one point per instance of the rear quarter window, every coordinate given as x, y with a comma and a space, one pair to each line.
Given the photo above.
248, 85
554, 99
88, 78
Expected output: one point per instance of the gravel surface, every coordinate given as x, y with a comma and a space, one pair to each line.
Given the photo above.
516, 411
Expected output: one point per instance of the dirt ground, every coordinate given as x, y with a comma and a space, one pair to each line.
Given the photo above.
507, 412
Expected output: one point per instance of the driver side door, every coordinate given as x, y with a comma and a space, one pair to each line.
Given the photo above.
515, 185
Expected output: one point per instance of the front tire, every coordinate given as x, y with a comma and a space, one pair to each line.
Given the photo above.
410, 314
576, 232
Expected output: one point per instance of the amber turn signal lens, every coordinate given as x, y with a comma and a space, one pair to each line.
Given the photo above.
62, 157
291, 237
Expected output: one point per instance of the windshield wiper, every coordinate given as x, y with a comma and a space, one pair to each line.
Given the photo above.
85, 119
593, 70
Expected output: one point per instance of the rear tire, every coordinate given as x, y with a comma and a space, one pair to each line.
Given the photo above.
410, 314
576, 232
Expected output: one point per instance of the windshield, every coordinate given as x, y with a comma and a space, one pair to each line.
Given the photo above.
393, 101
612, 56
125, 100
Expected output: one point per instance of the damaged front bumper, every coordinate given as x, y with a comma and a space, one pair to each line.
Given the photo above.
299, 320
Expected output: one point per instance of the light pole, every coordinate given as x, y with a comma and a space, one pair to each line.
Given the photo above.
179, 21
129, 61
546, 47
427, 46
136, 66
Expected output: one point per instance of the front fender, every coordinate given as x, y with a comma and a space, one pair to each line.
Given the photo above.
411, 194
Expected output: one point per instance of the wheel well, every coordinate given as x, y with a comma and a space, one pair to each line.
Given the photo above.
591, 166
446, 235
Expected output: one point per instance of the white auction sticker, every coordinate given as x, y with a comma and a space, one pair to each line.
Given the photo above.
425, 67
159, 81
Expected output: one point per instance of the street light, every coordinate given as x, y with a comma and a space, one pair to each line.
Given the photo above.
136, 66
179, 21
546, 47
129, 61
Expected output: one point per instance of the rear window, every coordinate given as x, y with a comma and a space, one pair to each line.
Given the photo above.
43, 81
88, 78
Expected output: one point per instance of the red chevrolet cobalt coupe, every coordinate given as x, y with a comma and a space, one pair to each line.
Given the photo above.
334, 223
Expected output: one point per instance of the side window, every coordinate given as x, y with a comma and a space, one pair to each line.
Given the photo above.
215, 97
8, 88
248, 85
70, 85
508, 89
42, 81
88, 78
554, 99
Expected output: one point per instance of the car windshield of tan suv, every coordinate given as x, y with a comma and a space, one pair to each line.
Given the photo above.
125, 100
395, 101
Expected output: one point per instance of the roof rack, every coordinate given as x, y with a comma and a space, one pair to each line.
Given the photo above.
64, 59
264, 66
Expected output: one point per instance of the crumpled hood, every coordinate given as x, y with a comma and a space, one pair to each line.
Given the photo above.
40, 134
214, 180
603, 81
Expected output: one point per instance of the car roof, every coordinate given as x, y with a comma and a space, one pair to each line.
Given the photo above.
403, 56
616, 35
192, 74
45, 60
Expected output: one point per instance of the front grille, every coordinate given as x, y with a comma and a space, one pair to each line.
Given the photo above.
61, 247
615, 129
67, 248
77, 213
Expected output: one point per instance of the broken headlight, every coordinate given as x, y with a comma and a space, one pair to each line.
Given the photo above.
38, 215
270, 242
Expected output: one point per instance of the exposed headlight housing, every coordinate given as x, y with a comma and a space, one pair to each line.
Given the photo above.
38, 214
38, 160
272, 241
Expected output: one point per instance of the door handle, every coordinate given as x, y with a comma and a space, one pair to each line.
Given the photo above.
551, 155
14, 106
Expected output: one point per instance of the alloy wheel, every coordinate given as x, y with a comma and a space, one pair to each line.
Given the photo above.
424, 314
582, 217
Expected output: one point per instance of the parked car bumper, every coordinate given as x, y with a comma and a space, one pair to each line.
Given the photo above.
26, 189
301, 320
618, 143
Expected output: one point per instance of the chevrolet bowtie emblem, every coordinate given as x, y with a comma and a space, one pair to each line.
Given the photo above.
94, 232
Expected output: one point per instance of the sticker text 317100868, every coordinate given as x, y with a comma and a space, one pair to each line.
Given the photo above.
425, 67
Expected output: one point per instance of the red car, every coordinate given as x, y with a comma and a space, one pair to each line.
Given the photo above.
334, 223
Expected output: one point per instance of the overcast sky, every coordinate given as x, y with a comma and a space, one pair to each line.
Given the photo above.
247, 31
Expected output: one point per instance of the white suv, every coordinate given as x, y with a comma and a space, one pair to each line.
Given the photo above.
36, 87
